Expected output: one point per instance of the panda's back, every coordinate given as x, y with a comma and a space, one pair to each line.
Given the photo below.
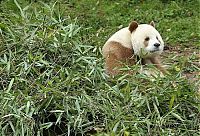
123, 36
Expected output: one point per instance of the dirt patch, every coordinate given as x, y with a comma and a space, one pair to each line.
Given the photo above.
186, 58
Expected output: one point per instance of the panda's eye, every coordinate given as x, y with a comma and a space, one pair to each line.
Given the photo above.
147, 39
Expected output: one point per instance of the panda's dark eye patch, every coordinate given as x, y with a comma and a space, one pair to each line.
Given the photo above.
147, 39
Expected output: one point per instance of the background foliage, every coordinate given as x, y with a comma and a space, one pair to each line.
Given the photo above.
52, 80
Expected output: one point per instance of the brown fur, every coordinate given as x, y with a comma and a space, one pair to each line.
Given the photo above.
152, 23
146, 43
116, 56
133, 25
156, 61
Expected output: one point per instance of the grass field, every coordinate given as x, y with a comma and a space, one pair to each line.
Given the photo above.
52, 79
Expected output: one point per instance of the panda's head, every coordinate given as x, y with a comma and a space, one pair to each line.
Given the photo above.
146, 40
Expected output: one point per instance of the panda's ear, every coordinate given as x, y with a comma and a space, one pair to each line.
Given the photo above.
133, 25
152, 23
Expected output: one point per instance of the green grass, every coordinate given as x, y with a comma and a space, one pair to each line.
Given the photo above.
52, 79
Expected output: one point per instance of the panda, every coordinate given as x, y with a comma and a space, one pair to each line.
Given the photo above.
128, 44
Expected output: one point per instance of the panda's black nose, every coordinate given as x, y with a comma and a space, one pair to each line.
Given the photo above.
157, 44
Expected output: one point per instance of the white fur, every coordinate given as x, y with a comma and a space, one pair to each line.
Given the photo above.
122, 36
136, 39
138, 36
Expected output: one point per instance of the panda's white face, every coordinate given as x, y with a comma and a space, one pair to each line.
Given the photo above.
146, 40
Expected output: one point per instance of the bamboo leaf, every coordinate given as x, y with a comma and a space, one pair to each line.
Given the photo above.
10, 85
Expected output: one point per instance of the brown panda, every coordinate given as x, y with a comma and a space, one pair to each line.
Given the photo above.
135, 40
